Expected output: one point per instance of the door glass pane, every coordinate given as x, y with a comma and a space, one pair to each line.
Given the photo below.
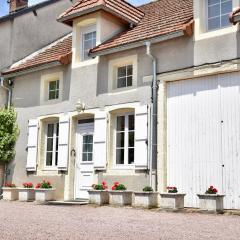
121, 123
120, 156
87, 148
131, 139
120, 140
131, 122
84, 157
49, 159
50, 144
50, 130
131, 156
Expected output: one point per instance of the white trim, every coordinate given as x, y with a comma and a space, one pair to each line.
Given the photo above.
112, 73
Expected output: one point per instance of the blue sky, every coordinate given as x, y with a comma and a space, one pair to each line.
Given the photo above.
4, 5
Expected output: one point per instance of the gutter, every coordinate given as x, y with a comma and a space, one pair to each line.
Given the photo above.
9, 90
154, 117
137, 44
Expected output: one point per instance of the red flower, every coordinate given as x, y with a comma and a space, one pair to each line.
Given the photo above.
211, 187
114, 188
105, 187
116, 183
104, 183
38, 185
215, 190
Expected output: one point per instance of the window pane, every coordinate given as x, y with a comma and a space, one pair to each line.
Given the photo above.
211, 2
122, 72
52, 85
49, 159
129, 70
120, 123
52, 95
84, 157
120, 156
121, 82
57, 130
226, 7
88, 44
50, 144
87, 36
225, 20
214, 23
120, 140
85, 148
89, 157
131, 139
129, 81
131, 122
131, 156
56, 159
90, 148
50, 130
214, 11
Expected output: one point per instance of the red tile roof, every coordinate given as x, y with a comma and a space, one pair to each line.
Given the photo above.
119, 8
59, 51
161, 17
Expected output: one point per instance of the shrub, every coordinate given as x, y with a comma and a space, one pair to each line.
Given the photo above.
10, 185
118, 187
27, 185
8, 134
102, 186
148, 189
44, 185
172, 189
212, 190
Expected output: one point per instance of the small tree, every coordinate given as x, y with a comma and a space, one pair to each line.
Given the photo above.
8, 134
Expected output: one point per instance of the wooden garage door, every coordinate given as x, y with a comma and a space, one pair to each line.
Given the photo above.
204, 136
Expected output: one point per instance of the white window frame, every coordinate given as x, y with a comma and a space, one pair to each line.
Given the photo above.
53, 166
55, 90
86, 30
113, 77
126, 76
126, 147
44, 91
207, 17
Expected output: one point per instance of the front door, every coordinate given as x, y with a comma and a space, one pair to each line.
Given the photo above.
84, 159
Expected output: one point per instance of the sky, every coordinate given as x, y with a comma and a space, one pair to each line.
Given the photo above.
4, 5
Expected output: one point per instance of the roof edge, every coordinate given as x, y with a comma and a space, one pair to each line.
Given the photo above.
140, 43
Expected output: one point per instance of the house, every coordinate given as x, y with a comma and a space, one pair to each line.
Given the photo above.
85, 106
23, 30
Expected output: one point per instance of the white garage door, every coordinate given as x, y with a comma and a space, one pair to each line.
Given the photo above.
204, 137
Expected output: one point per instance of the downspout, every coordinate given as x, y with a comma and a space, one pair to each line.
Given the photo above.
154, 118
9, 90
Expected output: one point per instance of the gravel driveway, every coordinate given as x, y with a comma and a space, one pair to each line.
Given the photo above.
20, 221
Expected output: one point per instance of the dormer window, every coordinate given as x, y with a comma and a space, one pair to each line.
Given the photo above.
89, 35
218, 14
53, 90
125, 76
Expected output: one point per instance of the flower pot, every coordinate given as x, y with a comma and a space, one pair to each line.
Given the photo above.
10, 194
172, 200
26, 194
120, 198
44, 195
146, 199
99, 197
211, 202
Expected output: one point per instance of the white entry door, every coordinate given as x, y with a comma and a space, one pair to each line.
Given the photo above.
204, 137
84, 160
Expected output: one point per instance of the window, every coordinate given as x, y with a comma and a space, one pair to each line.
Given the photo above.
125, 139
52, 133
218, 13
87, 148
89, 42
53, 90
125, 76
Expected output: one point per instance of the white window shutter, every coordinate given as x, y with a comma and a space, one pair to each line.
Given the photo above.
100, 140
141, 137
32, 146
63, 143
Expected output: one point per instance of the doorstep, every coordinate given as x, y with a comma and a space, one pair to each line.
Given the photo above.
69, 203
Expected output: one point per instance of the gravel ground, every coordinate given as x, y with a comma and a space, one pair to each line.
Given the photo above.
21, 221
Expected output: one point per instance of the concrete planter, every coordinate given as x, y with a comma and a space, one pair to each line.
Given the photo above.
211, 202
120, 198
44, 195
26, 194
146, 199
10, 194
172, 200
98, 197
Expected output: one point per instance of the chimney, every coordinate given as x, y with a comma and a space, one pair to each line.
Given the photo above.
16, 5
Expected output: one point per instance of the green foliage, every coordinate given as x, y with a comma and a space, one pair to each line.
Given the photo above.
148, 189
8, 134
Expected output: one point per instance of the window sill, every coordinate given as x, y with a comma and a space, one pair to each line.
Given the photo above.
93, 61
123, 167
215, 33
51, 102
123, 90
